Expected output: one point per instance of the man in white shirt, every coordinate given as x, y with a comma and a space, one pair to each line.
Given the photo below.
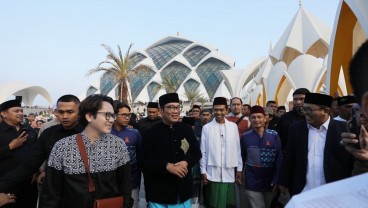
314, 155
221, 164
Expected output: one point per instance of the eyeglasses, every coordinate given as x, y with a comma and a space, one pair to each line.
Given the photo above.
109, 115
309, 110
172, 108
125, 115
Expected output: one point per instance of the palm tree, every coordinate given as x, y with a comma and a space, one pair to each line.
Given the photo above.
192, 95
121, 69
202, 100
169, 83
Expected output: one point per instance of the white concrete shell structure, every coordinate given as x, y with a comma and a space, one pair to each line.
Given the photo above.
349, 32
297, 60
27, 91
191, 64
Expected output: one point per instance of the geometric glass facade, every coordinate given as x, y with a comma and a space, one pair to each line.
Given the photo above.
191, 85
177, 72
196, 54
91, 90
152, 89
163, 53
107, 83
139, 80
187, 64
210, 76
136, 59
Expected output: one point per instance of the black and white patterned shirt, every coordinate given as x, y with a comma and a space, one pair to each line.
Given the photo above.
105, 154
66, 182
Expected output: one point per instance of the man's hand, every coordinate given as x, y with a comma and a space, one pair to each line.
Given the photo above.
238, 178
204, 180
182, 163
17, 142
40, 177
177, 170
283, 189
6, 199
349, 138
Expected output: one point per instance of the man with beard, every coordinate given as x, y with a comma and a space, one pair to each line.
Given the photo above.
221, 164
67, 112
15, 144
237, 117
292, 116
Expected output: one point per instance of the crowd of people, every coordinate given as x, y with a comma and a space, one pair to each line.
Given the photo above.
229, 155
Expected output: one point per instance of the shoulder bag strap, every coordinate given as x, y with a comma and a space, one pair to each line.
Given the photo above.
240, 119
83, 153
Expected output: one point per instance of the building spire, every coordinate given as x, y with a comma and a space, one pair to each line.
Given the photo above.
300, 3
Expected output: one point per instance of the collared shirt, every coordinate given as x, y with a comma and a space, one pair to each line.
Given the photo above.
338, 118
132, 139
262, 157
316, 147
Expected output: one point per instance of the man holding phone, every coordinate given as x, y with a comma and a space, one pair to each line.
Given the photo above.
358, 78
15, 143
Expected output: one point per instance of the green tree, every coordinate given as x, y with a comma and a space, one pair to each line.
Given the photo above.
192, 95
121, 68
202, 100
169, 83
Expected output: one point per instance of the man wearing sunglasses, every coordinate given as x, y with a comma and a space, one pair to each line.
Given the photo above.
132, 139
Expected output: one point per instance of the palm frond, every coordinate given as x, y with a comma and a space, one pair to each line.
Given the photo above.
192, 95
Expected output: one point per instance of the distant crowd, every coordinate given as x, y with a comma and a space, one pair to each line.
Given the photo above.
97, 153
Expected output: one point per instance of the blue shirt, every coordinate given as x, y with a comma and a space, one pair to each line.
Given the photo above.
262, 158
132, 139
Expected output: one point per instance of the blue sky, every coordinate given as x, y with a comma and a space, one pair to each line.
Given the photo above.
54, 43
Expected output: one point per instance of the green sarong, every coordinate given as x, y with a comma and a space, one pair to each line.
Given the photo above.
220, 195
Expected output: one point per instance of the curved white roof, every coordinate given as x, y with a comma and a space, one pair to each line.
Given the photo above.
27, 91
360, 9
305, 71
238, 79
305, 34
